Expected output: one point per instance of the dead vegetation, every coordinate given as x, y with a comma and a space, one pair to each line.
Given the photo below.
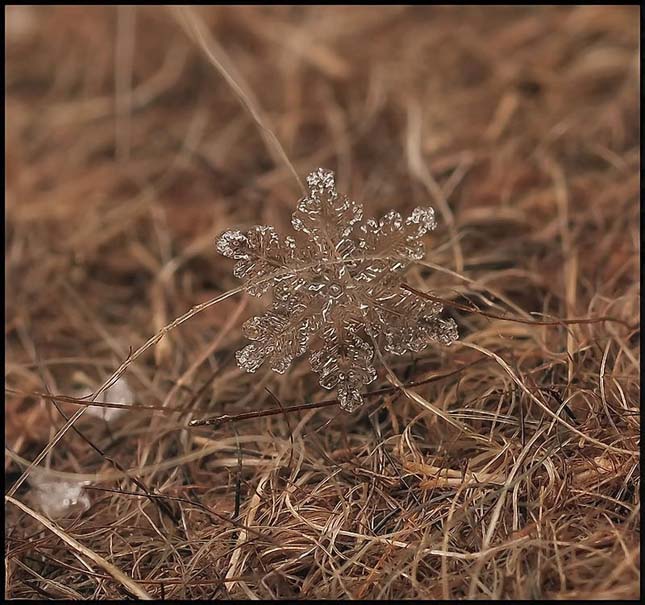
135, 136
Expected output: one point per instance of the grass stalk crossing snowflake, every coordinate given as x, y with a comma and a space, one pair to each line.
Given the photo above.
336, 289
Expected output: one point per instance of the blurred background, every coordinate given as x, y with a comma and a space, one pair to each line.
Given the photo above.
128, 150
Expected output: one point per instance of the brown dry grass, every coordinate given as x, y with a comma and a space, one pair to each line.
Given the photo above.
128, 152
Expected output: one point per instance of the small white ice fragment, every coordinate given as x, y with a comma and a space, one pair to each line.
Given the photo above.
57, 498
119, 392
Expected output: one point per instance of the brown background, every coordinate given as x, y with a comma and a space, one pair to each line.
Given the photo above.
127, 152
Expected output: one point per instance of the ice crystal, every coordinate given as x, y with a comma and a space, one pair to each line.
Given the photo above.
57, 498
336, 289
119, 392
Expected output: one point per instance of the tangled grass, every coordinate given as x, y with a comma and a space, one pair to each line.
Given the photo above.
135, 136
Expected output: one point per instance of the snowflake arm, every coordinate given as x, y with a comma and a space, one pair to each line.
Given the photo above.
326, 216
279, 336
407, 322
259, 253
392, 243
345, 363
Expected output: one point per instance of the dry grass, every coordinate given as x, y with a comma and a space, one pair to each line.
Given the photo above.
134, 138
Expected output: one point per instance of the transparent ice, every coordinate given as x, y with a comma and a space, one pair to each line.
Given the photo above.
336, 289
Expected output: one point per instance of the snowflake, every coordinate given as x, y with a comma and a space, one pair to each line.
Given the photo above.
336, 288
